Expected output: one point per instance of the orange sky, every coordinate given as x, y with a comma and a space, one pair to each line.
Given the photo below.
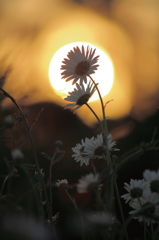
31, 31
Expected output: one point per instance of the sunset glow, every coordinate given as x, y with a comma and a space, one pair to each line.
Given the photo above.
104, 75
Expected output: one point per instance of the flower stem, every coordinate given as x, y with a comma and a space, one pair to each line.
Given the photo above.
76, 207
94, 169
144, 229
105, 132
101, 125
107, 181
72, 200
120, 208
50, 177
4, 182
152, 231
33, 149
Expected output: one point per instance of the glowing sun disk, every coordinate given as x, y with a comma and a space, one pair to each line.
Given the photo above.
104, 75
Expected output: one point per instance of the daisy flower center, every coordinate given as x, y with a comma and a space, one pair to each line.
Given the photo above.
136, 192
155, 186
99, 151
81, 152
83, 99
82, 68
92, 187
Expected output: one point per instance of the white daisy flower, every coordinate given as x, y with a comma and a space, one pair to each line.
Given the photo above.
62, 183
137, 189
78, 156
94, 146
79, 64
153, 210
79, 96
111, 144
152, 177
88, 183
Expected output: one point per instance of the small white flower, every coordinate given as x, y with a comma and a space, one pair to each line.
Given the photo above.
79, 96
152, 177
17, 154
63, 183
137, 189
153, 210
79, 64
78, 156
94, 146
89, 183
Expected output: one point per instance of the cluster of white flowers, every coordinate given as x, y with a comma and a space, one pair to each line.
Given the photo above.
143, 197
77, 66
92, 148
86, 184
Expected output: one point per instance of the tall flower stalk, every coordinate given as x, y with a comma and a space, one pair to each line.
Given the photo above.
105, 128
79, 65
34, 152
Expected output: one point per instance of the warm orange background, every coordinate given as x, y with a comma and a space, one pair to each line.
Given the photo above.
32, 30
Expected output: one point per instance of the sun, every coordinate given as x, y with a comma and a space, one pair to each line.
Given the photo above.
104, 75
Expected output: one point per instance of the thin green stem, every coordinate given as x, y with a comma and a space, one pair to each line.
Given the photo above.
33, 149
120, 208
94, 169
108, 166
144, 220
144, 229
4, 182
152, 231
156, 234
104, 120
71, 199
76, 207
50, 178
100, 123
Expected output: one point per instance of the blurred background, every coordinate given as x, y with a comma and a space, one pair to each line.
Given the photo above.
31, 31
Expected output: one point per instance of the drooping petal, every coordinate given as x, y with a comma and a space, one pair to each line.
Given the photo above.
79, 96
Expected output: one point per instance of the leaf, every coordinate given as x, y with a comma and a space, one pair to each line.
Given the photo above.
29, 166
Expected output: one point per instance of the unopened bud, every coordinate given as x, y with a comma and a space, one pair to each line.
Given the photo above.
9, 121
37, 175
59, 143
